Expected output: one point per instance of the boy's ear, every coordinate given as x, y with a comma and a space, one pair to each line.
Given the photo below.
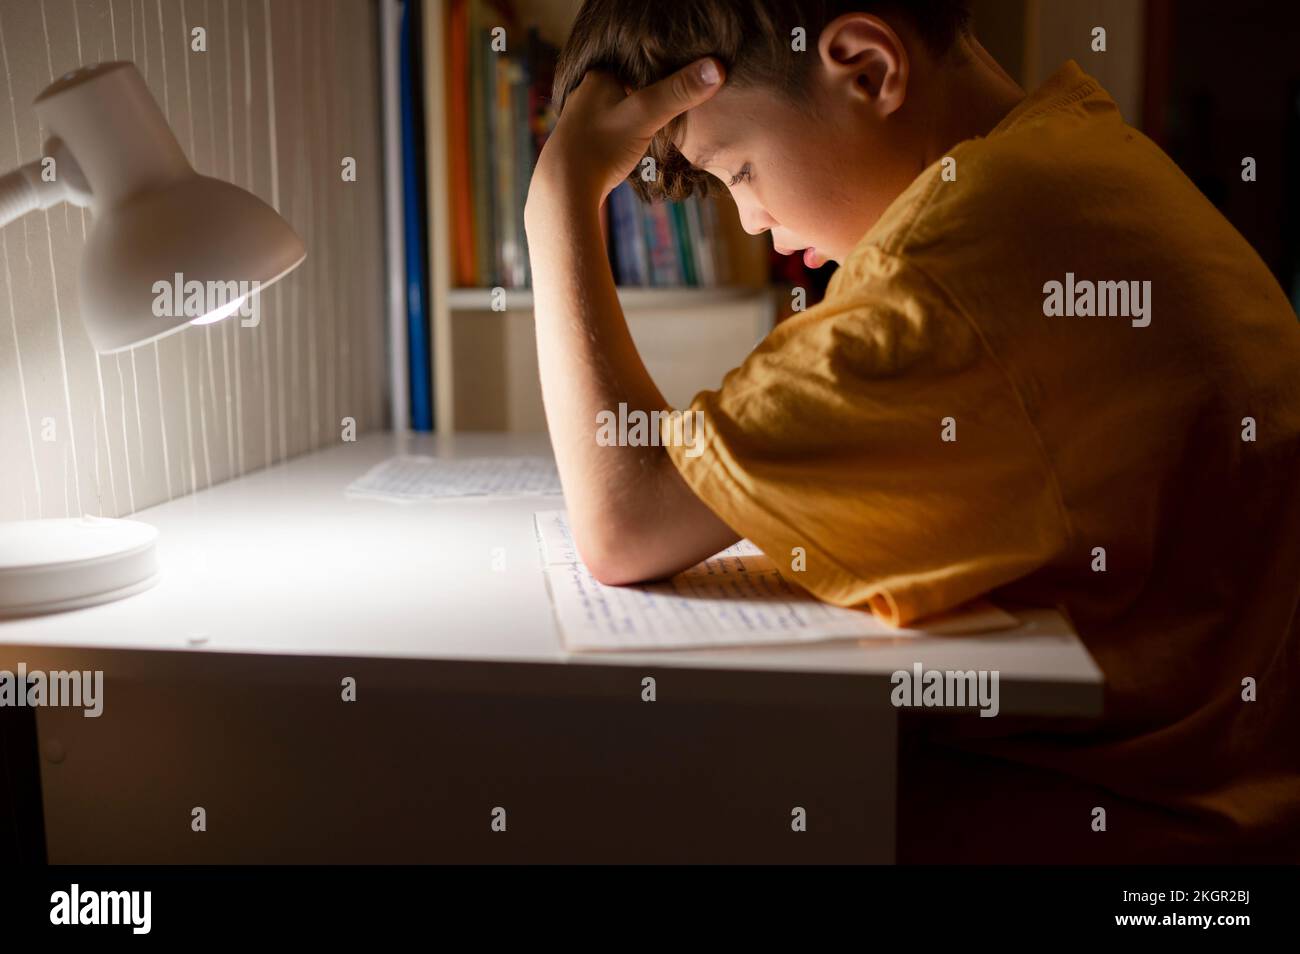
865, 53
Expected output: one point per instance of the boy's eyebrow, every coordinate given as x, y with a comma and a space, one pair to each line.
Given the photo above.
707, 158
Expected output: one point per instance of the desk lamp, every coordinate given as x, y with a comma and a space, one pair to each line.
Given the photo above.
156, 223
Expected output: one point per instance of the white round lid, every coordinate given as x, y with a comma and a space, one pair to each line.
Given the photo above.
59, 564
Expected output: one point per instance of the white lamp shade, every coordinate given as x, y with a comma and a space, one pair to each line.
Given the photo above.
155, 219
200, 232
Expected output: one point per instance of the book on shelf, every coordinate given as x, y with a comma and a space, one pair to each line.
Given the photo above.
665, 244
419, 372
499, 114
498, 117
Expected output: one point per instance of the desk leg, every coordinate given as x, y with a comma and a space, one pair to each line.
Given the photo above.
881, 748
22, 824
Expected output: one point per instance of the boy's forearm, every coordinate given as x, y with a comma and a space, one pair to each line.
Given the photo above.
586, 359
632, 515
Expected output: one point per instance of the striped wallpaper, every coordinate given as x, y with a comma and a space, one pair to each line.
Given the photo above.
284, 92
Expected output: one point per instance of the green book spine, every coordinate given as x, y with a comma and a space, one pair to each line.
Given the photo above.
682, 241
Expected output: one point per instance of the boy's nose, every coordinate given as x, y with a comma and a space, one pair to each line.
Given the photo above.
755, 222
753, 217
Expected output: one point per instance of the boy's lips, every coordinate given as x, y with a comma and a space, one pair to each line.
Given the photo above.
810, 256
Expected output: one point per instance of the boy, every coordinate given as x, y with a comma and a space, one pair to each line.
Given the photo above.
1046, 368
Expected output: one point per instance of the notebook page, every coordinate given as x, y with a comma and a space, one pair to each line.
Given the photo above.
735, 598
415, 477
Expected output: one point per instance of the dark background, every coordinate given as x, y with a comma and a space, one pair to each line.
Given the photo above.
1223, 82
1215, 82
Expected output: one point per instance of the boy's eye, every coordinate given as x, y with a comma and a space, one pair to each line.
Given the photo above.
740, 176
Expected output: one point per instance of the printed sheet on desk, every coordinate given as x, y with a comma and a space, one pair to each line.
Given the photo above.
736, 598
414, 477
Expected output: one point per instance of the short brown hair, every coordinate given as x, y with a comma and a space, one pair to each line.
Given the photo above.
642, 41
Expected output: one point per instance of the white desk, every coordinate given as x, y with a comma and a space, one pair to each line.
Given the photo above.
277, 578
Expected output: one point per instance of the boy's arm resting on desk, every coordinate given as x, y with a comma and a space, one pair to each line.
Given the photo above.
633, 516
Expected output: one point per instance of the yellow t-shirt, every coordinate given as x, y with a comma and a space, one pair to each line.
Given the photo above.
948, 423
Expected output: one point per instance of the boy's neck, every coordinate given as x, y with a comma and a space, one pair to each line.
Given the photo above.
966, 100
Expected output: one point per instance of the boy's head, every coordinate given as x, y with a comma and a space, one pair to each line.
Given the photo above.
809, 132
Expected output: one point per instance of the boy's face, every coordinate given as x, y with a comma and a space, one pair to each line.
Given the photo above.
817, 178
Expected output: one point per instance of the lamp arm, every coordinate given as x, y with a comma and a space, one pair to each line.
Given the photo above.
40, 186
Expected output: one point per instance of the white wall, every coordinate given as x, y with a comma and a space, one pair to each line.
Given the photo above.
85, 434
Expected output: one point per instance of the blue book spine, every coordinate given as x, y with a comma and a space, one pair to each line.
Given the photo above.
632, 240
623, 230
417, 320
613, 247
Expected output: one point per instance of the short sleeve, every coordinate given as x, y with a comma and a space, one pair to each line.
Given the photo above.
874, 440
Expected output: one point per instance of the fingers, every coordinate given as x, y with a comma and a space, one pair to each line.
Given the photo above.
658, 103
601, 88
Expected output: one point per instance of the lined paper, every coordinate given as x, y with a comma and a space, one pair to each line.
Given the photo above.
737, 598
417, 477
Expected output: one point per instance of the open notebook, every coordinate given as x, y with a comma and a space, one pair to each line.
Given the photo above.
736, 598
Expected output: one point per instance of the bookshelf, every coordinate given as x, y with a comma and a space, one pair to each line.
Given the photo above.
484, 357
480, 299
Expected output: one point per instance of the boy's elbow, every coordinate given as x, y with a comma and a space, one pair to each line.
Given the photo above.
615, 574
612, 568
614, 558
